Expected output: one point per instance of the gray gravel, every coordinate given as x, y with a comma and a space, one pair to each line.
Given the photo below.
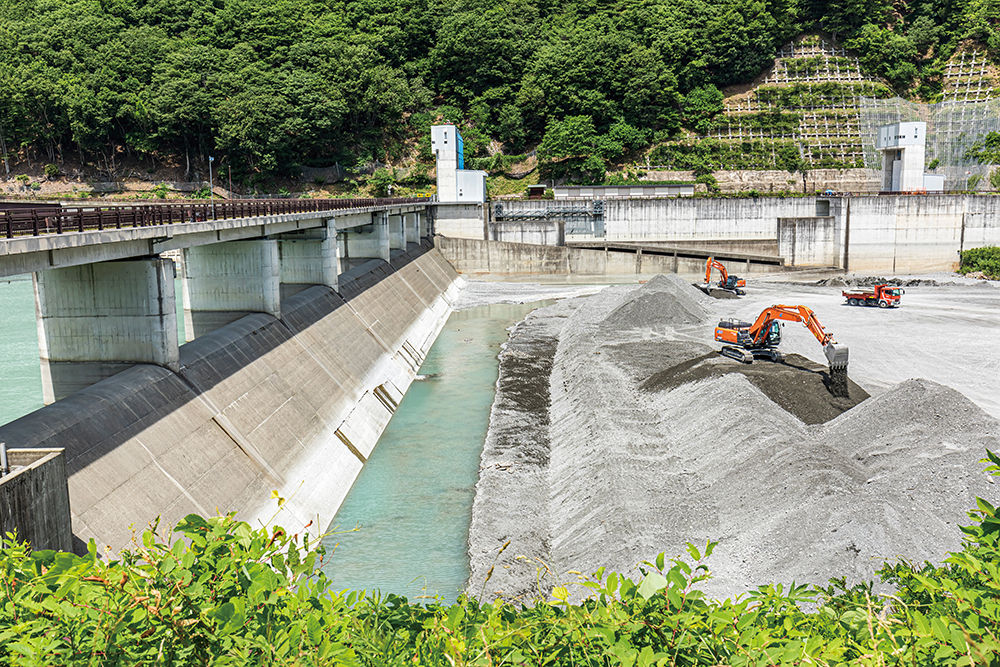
586, 470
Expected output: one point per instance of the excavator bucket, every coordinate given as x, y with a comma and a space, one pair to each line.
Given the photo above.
837, 356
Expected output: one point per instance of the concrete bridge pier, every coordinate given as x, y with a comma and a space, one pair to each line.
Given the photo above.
397, 231
361, 244
411, 223
226, 281
424, 223
96, 320
309, 257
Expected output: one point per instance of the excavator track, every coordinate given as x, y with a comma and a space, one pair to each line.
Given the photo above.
737, 353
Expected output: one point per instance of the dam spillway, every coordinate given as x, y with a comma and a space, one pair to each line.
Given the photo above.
294, 405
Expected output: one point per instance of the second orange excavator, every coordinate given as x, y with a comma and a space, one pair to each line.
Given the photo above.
728, 283
759, 339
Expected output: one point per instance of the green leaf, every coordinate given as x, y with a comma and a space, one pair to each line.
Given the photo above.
652, 584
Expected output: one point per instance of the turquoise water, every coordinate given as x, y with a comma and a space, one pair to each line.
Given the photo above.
20, 377
413, 500
20, 373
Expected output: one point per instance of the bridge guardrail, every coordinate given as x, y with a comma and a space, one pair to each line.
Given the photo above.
42, 221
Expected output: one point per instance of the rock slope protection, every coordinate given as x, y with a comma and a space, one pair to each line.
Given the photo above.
633, 472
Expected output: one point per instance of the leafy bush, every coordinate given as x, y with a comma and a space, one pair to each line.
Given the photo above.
227, 594
51, 170
986, 260
382, 181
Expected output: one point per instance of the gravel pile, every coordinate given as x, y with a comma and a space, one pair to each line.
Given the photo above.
663, 302
630, 450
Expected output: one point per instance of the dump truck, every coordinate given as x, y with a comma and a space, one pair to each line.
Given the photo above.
883, 296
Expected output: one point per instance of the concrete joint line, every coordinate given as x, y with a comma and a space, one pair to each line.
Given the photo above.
166, 474
234, 434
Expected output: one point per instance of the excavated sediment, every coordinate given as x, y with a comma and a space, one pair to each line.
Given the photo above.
650, 440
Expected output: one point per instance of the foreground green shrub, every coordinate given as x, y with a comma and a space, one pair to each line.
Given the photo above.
226, 594
986, 260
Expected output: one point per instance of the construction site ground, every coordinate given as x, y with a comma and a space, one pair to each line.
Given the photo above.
618, 433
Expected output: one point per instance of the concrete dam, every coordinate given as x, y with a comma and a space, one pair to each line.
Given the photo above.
291, 401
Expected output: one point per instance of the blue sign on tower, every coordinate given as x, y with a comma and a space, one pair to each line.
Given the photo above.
461, 152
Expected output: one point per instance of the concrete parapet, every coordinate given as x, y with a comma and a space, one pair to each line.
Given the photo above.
34, 499
225, 281
96, 320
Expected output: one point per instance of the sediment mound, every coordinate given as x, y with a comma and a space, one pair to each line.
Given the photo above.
652, 440
665, 301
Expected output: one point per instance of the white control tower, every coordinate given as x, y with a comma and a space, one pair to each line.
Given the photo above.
455, 183
902, 147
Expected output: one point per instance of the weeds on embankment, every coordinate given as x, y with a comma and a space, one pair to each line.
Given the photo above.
983, 260
227, 594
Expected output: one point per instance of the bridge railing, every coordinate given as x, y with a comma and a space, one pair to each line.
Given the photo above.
46, 220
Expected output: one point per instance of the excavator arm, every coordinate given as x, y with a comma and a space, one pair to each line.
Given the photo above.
837, 356
712, 264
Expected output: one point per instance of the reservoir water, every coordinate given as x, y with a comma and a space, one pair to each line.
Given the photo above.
20, 377
412, 501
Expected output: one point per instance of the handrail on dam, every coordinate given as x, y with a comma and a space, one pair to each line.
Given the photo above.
44, 220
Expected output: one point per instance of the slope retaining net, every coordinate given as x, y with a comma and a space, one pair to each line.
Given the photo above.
953, 127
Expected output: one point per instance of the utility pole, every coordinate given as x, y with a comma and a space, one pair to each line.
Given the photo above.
211, 188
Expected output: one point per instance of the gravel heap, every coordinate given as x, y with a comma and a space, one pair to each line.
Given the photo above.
611, 461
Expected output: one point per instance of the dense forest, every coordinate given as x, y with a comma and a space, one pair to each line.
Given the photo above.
268, 85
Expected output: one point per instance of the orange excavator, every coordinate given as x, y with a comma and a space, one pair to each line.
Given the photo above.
761, 338
729, 283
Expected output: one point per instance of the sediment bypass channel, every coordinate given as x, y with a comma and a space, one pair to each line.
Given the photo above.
618, 433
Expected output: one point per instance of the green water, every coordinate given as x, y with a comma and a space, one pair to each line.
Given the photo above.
413, 499
20, 374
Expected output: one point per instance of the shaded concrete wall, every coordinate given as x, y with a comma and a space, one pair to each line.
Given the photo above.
462, 221
34, 499
293, 404
911, 234
809, 241
474, 256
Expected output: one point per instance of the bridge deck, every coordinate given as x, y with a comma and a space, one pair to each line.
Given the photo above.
42, 238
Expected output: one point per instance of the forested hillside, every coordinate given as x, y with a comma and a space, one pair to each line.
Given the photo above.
267, 85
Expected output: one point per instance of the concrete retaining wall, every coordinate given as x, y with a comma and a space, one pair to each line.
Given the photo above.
901, 234
34, 500
462, 221
474, 256
294, 405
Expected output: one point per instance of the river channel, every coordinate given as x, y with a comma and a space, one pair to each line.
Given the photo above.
412, 503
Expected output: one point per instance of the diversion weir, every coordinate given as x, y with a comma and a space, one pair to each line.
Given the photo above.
293, 405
